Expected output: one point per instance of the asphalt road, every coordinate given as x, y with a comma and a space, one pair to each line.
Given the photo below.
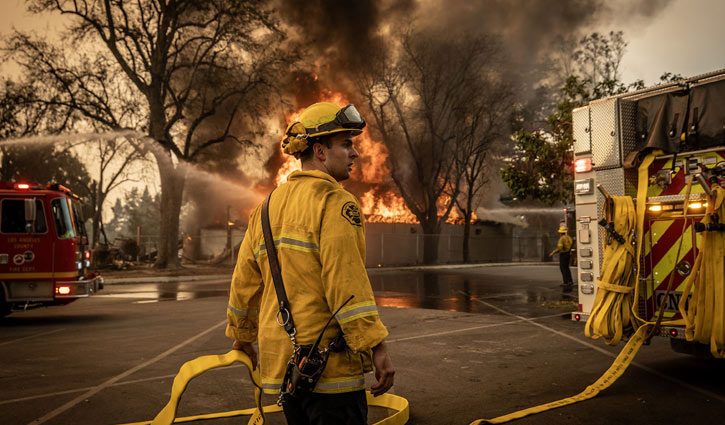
466, 344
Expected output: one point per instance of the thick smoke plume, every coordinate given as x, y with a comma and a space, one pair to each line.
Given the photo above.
335, 37
338, 35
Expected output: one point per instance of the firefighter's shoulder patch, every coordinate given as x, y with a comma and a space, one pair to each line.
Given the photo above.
351, 212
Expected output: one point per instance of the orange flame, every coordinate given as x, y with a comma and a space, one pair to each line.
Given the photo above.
290, 164
386, 208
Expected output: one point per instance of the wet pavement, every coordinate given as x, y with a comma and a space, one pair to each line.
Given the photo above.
466, 344
521, 287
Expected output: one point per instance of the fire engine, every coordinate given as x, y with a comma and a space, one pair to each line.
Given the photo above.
44, 255
684, 123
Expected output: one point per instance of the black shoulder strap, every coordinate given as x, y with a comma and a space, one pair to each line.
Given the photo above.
284, 316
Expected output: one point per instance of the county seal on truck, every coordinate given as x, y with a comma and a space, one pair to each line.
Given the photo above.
44, 256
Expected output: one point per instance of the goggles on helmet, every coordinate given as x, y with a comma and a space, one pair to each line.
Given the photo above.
347, 118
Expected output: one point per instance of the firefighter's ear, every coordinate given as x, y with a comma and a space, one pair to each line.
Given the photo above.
319, 150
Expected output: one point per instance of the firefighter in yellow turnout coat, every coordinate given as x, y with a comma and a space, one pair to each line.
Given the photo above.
318, 231
563, 247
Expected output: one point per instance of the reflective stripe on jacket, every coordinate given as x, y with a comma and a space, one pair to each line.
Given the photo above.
320, 238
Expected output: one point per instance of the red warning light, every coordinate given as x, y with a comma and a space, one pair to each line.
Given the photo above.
577, 317
64, 290
673, 333
23, 186
583, 165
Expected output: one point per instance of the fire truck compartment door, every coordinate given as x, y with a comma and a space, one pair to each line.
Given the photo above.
30, 290
706, 120
580, 130
606, 150
660, 121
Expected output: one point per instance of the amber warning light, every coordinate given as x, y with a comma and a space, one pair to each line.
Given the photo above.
583, 165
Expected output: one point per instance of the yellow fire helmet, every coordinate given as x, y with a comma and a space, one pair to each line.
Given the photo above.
562, 229
320, 119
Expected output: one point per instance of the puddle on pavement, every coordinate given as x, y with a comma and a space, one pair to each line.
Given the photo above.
459, 291
167, 291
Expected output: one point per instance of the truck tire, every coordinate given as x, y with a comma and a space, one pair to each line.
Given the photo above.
692, 348
4, 306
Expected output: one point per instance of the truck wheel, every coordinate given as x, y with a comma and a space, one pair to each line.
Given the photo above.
692, 348
4, 306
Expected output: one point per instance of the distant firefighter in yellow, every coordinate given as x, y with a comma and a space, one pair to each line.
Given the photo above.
563, 247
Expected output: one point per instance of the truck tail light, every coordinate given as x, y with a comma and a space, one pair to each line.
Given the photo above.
583, 165
63, 290
577, 317
673, 333
87, 255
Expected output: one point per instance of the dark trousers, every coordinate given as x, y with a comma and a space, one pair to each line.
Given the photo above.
564, 266
327, 409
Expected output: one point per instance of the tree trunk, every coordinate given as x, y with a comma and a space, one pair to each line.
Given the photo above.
431, 238
97, 215
467, 213
172, 190
466, 236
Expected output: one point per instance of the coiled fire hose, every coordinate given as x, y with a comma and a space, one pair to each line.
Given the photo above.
705, 316
613, 302
196, 367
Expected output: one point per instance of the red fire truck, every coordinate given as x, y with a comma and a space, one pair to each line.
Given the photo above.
44, 255
685, 122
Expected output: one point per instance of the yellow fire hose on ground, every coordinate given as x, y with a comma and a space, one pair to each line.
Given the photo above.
196, 367
614, 307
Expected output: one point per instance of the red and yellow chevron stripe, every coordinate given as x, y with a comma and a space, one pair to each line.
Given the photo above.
677, 187
662, 236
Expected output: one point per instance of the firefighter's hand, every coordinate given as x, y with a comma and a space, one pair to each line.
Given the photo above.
384, 371
248, 349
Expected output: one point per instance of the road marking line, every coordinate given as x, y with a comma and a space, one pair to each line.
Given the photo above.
117, 378
492, 325
603, 351
117, 384
31, 336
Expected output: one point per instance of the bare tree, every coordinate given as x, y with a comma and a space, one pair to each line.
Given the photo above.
486, 120
114, 159
416, 98
83, 95
599, 57
186, 61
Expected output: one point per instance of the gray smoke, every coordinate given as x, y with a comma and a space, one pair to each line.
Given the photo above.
338, 34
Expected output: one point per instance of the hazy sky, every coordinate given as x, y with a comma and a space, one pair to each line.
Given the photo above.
686, 37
